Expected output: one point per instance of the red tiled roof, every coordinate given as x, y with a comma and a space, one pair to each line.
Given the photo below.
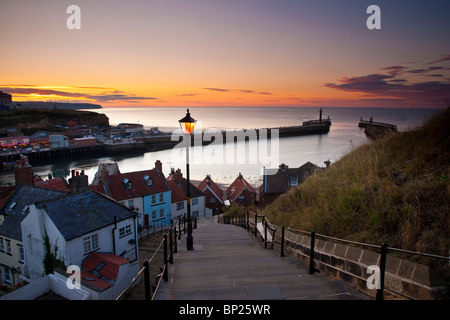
118, 191
208, 183
58, 183
177, 192
237, 187
111, 262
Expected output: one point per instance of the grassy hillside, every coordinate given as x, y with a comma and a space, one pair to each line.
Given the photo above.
394, 190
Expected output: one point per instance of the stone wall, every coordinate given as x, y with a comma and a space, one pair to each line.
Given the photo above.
350, 263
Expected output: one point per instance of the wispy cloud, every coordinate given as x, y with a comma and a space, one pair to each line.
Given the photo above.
105, 96
238, 91
386, 87
444, 58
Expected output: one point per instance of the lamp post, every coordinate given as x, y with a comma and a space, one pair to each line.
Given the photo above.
187, 126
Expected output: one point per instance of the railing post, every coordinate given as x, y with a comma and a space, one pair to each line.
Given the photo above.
265, 233
165, 274
247, 226
282, 242
147, 286
170, 247
380, 291
311, 254
175, 247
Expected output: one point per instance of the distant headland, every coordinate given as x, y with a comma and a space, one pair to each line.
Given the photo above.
56, 105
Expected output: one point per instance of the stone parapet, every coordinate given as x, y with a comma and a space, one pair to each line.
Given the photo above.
350, 264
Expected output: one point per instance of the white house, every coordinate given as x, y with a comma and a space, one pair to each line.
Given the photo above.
198, 208
76, 226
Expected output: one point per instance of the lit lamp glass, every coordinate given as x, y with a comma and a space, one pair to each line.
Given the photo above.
187, 123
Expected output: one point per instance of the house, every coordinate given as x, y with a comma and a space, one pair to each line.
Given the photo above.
179, 200
198, 208
103, 275
58, 141
145, 191
14, 210
213, 194
240, 191
76, 226
279, 181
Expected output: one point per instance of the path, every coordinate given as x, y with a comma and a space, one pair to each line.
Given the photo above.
230, 263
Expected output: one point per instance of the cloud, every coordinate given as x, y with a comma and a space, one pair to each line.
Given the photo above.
418, 71
379, 86
444, 58
238, 91
394, 70
187, 95
116, 95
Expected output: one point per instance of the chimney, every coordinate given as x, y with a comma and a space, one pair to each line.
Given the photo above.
282, 166
80, 183
240, 176
178, 176
23, 172
158, 166
327, 163
104, 174
208, 180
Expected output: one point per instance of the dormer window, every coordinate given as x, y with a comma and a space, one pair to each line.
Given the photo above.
128, 184
25, 209
12, 205
148, 181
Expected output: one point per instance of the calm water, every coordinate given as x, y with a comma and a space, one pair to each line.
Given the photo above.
294, 151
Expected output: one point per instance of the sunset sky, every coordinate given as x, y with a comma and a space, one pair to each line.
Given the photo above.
227, 53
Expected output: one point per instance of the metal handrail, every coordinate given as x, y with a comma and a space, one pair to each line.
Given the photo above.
168, 255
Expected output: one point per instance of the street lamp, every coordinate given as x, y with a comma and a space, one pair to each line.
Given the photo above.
187, 126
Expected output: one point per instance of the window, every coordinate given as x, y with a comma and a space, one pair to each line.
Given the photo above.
153, 199
21, 254
154, 215
128, 184
195, 202
161, 213
212, 200
161, 197
8, 246
180, 205
90, 243
125, 231
241, 198
2, 245
148, 181
294, 182
130, 203
7, 275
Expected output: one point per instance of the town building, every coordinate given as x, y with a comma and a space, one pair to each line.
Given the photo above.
198, 208
147, 192
5, 100
279, 181
241, 192
12, 213
179, 200
76, 226
213, 195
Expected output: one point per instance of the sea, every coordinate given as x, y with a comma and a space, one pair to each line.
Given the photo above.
224, 160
